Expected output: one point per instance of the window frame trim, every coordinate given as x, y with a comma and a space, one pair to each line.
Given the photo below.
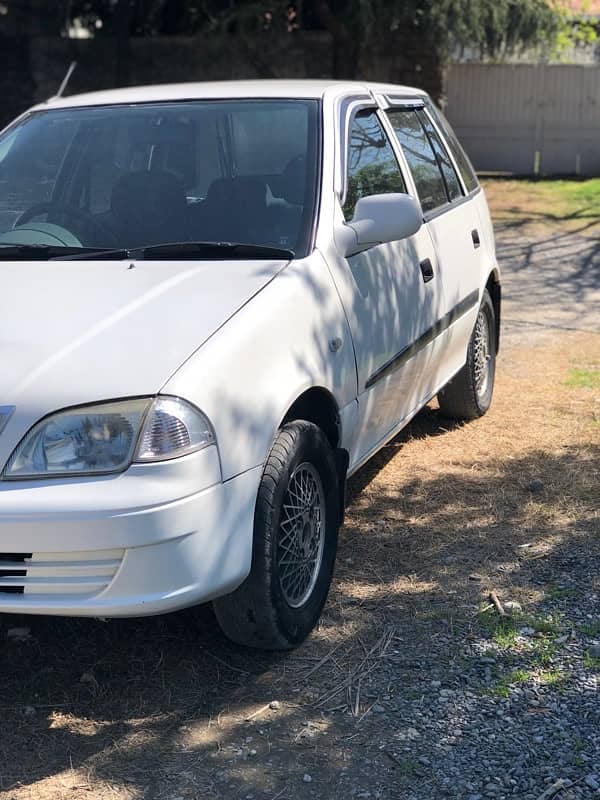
442, 144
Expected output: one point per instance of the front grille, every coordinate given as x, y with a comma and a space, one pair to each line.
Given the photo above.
83, 574
11, 566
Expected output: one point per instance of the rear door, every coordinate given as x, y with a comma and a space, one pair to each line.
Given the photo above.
453, 223
391, 293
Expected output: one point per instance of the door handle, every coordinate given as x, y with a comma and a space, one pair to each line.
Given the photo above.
476, 239
426, 270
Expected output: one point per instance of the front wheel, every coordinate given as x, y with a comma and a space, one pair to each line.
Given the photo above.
296, 524
469, 393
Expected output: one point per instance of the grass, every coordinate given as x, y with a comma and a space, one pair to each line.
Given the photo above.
407, 767
546, 677
504, 685
591, 629
584, 193
552, 677
583, 378
590, 662
543, 652
504, 631
545, 202
557, 593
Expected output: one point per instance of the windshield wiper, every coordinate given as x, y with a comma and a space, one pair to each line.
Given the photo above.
184, 251
45, 252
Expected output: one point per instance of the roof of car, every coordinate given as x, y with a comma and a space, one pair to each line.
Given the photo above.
226, 89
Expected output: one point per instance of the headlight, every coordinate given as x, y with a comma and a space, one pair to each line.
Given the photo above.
108, 437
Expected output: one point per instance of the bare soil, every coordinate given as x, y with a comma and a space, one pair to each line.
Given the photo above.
166, 708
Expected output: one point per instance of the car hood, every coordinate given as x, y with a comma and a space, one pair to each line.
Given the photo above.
81, 331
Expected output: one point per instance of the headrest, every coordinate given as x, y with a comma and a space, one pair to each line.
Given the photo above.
156, 192
293, 180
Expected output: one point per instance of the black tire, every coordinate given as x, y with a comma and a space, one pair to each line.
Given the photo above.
264, 612
469, 393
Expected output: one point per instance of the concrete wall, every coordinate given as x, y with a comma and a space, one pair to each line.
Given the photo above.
528, 118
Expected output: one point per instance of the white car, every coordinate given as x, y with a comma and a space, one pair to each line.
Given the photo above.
217, 301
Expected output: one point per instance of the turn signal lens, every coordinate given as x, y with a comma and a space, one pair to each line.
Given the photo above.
173, 428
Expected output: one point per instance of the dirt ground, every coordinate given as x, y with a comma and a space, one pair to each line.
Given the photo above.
165, 708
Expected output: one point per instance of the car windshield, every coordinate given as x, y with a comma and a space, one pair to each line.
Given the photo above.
149, 174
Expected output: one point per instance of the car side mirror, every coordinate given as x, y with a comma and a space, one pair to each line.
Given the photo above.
377, 219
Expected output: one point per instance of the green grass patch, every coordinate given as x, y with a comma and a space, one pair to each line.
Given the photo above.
503, 687
590, 662
546, 625
580, 378
552, 677
557, 593
504, 631
574, 195
407, 766
590, 629
543, 652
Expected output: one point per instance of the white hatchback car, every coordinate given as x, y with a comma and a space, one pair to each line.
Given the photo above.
218, 301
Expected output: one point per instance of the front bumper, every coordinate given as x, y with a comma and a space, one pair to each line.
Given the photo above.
140, 543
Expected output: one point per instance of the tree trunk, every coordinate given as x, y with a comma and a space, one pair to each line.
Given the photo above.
122, 21
346, 42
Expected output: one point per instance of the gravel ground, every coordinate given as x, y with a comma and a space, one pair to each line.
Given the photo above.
551, 272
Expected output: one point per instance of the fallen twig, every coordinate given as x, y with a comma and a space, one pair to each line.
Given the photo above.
257, 712
322, 661
498, 605
377, 651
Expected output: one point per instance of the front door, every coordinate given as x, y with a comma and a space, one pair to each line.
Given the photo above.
392, 297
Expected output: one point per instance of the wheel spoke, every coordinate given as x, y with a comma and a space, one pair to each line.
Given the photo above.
301, 535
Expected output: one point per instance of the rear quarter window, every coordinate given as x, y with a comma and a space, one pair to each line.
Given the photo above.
462, 160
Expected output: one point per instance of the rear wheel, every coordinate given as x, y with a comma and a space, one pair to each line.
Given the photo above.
469, 393
296, 523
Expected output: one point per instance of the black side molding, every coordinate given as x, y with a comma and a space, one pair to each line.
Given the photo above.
466, 304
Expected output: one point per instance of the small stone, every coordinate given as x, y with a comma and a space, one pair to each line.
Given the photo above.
474, 577
88, 677
435, 684
594, 650
538, 739
29, 711
274, 705
252, 753
307, 778
513, 607
19, 634
535, 486
378, 709
592, 782
527, 631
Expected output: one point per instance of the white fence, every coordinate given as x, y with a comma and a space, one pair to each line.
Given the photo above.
527, 118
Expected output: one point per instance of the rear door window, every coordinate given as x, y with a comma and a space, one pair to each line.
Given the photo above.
421, 158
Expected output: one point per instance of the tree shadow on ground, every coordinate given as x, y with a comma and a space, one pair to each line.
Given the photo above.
165, 707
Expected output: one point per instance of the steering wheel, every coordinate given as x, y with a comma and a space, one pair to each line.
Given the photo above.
106, 236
